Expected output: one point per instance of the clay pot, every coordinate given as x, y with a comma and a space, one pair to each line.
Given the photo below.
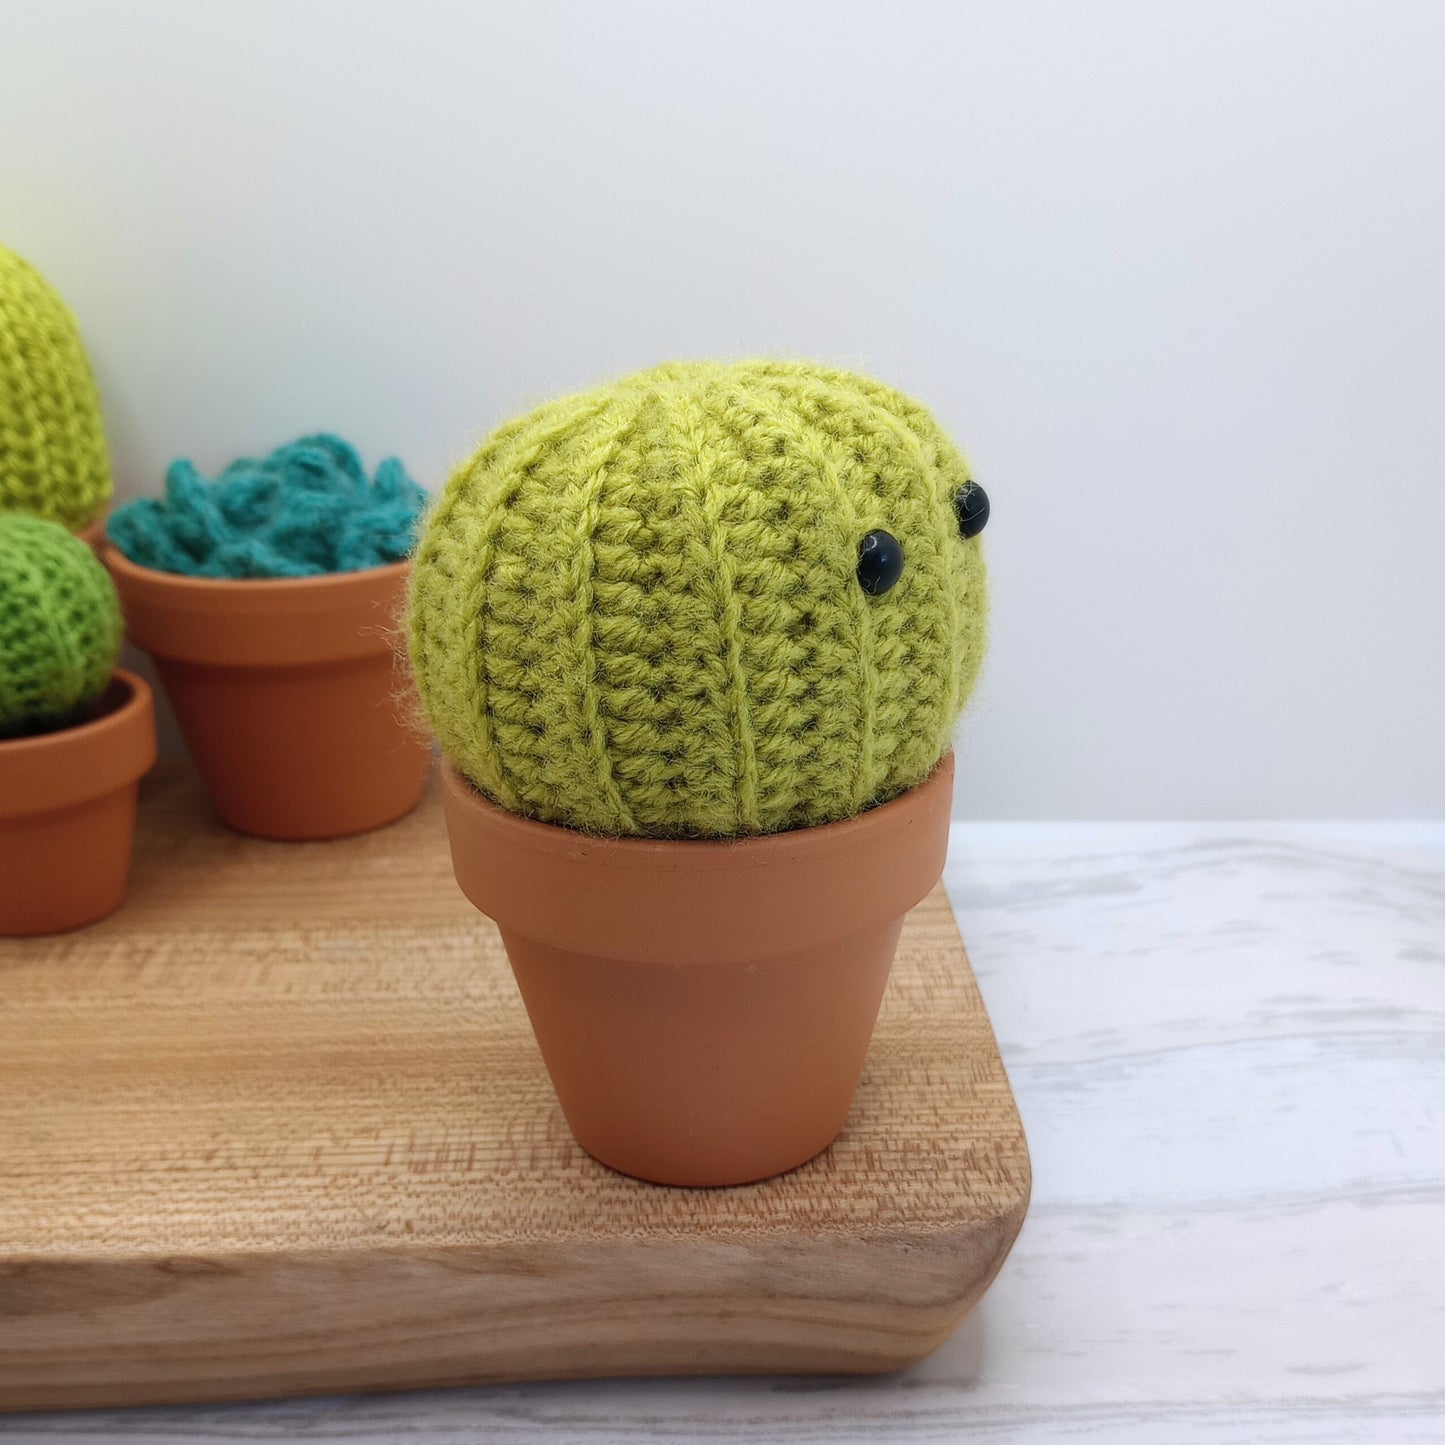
287, 692
93, 535
67, 813
704, 1008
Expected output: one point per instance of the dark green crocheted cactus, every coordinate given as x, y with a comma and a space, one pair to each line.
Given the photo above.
59, 626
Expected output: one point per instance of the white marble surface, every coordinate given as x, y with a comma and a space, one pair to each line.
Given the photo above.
1228, 1045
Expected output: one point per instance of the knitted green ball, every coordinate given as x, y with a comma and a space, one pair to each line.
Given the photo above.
53, 460
641, 610
59, 625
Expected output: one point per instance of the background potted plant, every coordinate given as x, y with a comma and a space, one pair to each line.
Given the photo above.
694, 646
268, 598
53, 458
76, 733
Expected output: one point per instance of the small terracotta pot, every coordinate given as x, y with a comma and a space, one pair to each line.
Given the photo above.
286, 691
93, 535
704, 1008
67, 813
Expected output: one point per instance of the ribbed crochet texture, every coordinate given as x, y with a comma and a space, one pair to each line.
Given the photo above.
306, 509
53, 460
636, 610
59, 625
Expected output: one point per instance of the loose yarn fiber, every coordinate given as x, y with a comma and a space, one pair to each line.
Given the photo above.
307, 509
637, 610
59, 625
53, 458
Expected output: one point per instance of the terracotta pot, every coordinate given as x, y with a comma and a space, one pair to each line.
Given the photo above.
704, 1008
287, 692
67, 813
93, 535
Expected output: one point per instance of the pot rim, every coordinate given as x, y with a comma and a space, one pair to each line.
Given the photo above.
664, 900
753, 850
260, 622
49, 771
301, 589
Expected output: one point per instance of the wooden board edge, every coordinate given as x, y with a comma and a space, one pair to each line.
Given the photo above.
279, 1325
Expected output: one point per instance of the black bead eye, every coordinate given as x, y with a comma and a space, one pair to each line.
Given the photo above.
880, 562
970, 504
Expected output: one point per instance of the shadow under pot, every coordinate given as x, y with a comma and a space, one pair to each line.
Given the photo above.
704, 1008
287, 691
67, 813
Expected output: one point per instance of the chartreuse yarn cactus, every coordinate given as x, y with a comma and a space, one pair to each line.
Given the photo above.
710, 600
59, 626
53, 459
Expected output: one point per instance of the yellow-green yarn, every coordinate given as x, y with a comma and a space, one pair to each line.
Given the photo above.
636, 610
59, 625
53, 458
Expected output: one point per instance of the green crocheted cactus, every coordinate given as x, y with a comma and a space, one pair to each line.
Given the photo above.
53, 459
710, 600
59, 626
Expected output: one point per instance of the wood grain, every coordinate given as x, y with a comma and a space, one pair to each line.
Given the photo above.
279, 1126
1228, 1040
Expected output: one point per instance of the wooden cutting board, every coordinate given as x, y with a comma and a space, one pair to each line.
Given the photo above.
279, 1126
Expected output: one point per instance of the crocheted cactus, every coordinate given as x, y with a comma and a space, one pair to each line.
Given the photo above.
59, 625
53, 460
674, 606
307, 509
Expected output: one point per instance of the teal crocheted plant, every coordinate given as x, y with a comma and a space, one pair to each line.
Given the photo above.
307, 509
59, 626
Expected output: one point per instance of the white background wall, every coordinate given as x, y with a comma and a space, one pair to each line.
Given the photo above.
1173, 273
